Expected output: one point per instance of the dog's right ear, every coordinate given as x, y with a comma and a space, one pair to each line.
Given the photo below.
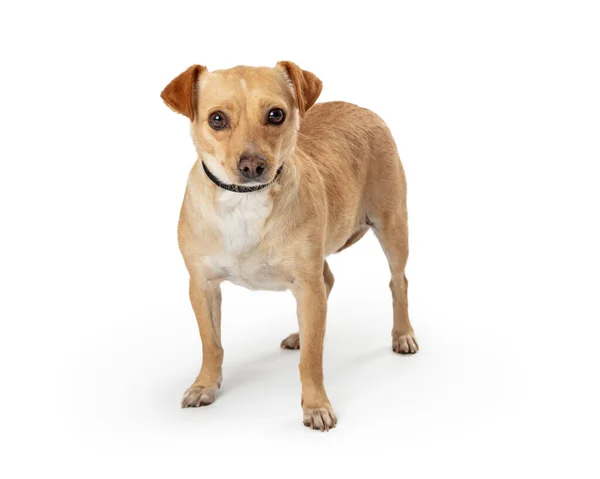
180, 94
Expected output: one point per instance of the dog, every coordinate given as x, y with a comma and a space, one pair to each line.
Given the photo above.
280, 184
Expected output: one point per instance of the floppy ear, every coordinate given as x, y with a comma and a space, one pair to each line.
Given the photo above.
180, 94
306, 85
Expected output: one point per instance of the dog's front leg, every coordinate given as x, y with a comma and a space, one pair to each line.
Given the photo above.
311, 298
206, 302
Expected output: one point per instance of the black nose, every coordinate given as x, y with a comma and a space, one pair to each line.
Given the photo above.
251, 166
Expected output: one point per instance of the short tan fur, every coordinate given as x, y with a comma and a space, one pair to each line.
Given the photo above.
340, 175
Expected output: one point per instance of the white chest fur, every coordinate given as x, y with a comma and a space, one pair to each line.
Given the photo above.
240, 219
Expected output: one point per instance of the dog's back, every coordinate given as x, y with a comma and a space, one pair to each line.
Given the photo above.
353, 150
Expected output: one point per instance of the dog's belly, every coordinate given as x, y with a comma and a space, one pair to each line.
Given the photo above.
251, 272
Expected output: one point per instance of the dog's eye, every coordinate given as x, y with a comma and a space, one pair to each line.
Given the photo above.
276, 116
217, 120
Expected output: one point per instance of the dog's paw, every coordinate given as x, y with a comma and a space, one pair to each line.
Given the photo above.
197, 396
291, 342
404, 343
320, 419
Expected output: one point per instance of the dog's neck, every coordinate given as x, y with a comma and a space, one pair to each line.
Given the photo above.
241, 220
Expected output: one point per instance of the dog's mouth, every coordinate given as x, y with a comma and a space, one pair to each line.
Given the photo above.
246, 186
264, 178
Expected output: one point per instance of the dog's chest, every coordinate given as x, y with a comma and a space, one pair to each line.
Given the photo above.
241, 219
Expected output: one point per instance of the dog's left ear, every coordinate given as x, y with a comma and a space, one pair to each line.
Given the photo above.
180, 94
306, 85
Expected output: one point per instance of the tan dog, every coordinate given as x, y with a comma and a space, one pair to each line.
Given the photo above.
279, 185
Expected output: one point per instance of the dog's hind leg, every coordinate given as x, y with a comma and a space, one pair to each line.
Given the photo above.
293, 340
385, 207
392, 231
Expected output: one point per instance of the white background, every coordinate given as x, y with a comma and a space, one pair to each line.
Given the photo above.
495, 107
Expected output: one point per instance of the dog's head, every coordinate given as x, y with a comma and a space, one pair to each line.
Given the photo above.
244, 120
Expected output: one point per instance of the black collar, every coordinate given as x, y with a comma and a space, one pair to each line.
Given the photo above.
238, 188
